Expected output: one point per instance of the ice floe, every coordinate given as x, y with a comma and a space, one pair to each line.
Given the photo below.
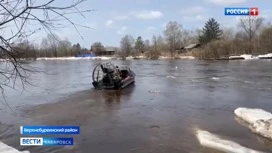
260, 121
8, 149
251, 115
210, 140
215, 78
154, 91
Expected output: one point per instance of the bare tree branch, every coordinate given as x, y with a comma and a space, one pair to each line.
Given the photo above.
15, 18
250, 25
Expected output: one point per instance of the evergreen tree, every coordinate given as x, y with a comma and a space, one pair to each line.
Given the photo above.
139, 44
211, 31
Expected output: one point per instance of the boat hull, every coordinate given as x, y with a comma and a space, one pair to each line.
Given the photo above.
112, 78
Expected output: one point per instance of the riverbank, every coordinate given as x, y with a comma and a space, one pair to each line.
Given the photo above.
238, 57
110, 58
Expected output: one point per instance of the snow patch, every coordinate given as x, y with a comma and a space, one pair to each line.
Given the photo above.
164, 57
248, 57
75, 58
235, 57
187, 57
8, 149
130, 57
210, 140
260, 121
265, 55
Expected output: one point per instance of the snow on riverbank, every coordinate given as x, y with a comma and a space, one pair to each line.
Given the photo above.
107, 58
210, 140
75, 58
249, 57
245, 56
266, 56
260, 121
187, 57
8, 149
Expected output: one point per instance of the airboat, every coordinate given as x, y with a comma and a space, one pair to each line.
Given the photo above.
109, 76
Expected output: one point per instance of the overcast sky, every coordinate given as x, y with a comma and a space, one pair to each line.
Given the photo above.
112, 19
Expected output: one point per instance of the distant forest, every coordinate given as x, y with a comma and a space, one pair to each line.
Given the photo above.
252, 35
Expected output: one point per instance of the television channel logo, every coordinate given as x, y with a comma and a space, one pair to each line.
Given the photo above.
245, 11
27, 141
35, 141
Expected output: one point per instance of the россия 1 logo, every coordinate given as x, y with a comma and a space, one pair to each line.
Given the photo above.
253, 11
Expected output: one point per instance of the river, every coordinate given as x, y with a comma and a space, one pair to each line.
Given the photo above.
159, 113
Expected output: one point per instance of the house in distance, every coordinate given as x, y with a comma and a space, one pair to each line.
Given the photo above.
107, 51
97, 49
188, 48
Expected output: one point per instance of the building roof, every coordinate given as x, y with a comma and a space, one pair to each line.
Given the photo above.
191, 46
110, 49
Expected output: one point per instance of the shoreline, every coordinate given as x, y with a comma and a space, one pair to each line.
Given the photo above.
111, 58
238, 57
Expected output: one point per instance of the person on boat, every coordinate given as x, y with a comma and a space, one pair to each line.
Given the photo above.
117, 72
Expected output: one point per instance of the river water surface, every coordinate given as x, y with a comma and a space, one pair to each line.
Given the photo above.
159, 114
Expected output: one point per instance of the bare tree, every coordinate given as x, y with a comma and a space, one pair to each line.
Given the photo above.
16, 20
188, 37
250, 26
97, 47
54, 41
126, 46
24, 50
173, 35
240, 44
154, 52
147, 44
44, 47
228, 34
162, 45
65, 48
191, 37
265, 39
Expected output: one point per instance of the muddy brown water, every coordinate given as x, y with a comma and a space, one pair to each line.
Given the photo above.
159, 113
